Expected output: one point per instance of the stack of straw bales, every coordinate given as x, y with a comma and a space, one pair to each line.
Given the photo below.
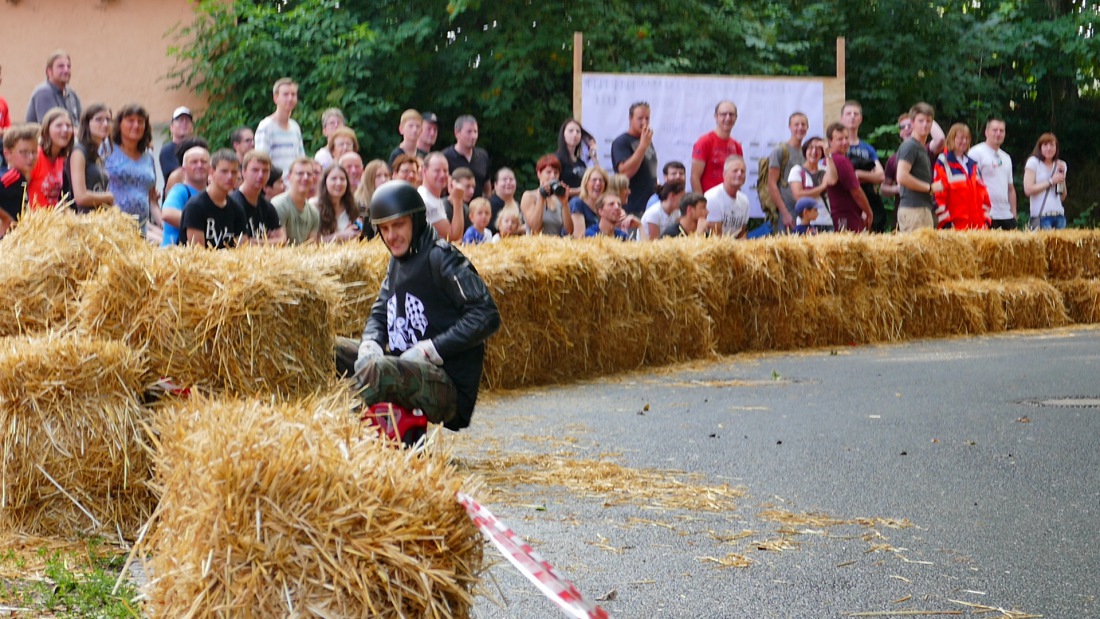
47, 258
254, 320
294, 510
1074, 258
75, 456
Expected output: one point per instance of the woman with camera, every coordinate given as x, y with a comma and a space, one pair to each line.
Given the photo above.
543, 208
1045, 184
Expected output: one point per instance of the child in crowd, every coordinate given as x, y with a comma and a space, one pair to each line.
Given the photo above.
480, 213
509, 223
806, 211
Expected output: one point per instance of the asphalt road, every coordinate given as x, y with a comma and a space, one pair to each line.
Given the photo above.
968, 492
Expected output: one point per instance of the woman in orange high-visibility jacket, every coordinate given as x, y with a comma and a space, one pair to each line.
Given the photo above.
964, 202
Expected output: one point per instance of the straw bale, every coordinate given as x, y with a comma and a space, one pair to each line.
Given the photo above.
778, 269
1081, 298
249, 321
1072, 254
718, 265
75, 457
1031, 303
1006, 254
926, 257
50, 254
359, 268
844, 262
953, 308
296, 510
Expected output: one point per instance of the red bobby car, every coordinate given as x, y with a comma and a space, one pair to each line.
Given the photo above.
397, 423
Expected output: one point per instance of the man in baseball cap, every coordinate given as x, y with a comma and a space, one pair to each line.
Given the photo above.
429, 131
183, 125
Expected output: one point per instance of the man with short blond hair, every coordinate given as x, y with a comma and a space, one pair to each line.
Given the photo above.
279, 135
410, 127
55, 91
297, 215
783, 158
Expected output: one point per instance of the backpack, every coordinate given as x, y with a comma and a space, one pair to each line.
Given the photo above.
771, 211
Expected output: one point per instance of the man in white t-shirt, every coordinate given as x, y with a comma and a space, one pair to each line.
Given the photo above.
436, 179
727, 205
996, 168
279, 135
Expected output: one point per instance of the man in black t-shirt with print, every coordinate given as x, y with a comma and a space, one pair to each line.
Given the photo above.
262, 224
210, 218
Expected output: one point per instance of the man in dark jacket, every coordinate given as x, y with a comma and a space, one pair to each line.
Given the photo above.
424, 343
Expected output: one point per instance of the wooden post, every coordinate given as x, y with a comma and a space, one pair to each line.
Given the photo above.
840, 71
578, 70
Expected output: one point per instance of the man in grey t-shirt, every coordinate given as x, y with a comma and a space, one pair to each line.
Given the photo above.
779, 170
916, 202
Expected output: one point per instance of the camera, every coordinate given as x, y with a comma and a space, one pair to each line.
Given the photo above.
556, 188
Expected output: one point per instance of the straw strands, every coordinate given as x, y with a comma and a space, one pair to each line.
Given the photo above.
254, 320
296, 510
75, 455
1072, 254
48, 256
359, 268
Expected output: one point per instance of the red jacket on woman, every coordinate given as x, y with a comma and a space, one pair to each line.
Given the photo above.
964, 202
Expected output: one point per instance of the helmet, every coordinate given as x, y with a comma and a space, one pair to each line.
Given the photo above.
393, 200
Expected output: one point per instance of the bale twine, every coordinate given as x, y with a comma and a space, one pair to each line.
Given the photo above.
75, 456
49, 256
1072, 254
294, 510
358, 268
254, 320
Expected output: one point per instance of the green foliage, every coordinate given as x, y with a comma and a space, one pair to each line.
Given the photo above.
74, 585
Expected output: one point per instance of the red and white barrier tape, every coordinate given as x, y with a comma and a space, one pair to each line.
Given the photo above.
560, 591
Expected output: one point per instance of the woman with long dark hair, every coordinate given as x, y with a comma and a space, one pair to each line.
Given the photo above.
89, 177
1045, 184
572, 138
336, 205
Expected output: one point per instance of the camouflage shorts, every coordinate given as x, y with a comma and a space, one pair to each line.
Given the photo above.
410, 385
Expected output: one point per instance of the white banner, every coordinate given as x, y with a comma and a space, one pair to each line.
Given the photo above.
682, 111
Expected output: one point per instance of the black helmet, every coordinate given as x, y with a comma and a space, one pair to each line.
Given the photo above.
395, 199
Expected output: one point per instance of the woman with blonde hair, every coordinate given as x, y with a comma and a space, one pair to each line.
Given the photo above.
374, 174
582, 208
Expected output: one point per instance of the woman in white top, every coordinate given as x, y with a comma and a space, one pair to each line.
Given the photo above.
662, 214
1045, 184
806, 182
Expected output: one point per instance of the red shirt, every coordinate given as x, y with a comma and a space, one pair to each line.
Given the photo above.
713, 151
5, 115
47, 178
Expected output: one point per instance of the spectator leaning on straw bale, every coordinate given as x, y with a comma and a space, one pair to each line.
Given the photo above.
299, 218
693, 217
196, 172
20, 152
210, 218
262, 225
727, 205
424, 342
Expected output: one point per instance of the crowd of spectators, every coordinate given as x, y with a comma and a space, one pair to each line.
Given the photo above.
276, 193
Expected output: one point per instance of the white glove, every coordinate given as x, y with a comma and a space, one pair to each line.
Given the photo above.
423, 352
368, 349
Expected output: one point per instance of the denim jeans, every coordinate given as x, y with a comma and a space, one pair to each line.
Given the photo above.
1052, 222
